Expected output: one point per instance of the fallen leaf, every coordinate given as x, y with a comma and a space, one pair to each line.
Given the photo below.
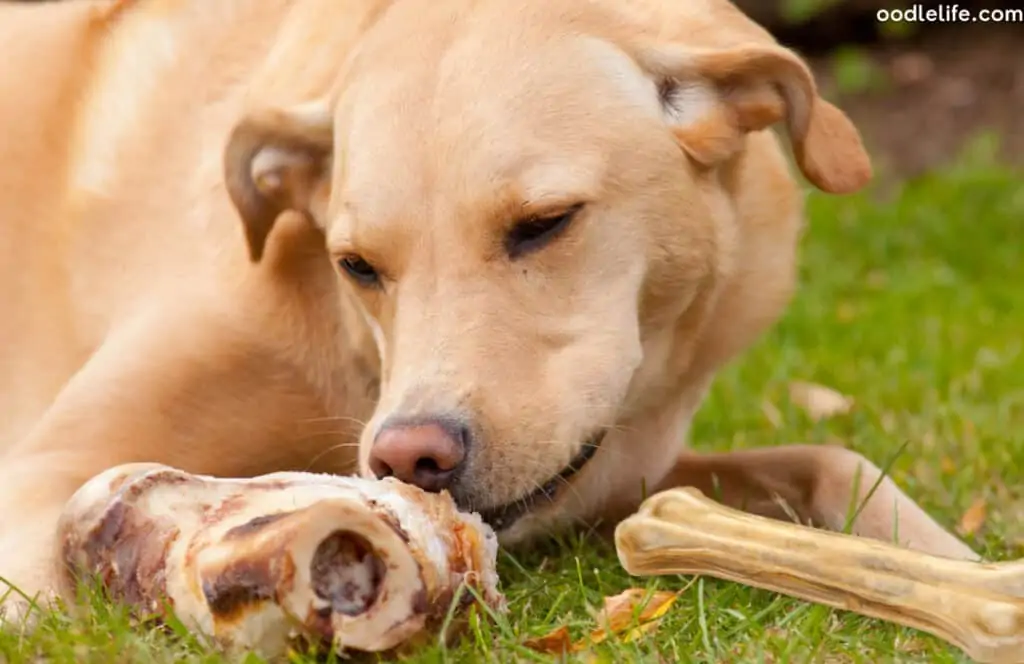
974, 518
877, 279
631, 614
819, 401
555, 642
626, 616
889, 423
948, 466
846, 312
772, 414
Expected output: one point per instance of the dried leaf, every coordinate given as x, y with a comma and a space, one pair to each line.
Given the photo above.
846, 312
626, 616
948, 466
974, 518
877, 279
772, 414
553, 643
631, 614
819, 401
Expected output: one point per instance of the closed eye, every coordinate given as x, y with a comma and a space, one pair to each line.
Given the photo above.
359, 270
532, 234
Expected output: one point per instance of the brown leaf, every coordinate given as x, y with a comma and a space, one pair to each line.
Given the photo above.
772, 414
846, 312
877, 279
974, 518
631, 614
553, 643
819, 401
626, 616
948, 466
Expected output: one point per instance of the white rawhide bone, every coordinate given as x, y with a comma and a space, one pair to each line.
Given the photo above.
259, 564
978, 607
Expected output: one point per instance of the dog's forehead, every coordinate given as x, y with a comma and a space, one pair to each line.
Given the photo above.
522, 104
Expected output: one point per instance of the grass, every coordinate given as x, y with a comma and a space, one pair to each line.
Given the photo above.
914, 305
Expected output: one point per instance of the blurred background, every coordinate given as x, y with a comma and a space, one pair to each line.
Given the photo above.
919, 91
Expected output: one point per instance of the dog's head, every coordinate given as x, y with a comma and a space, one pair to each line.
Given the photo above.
523, 197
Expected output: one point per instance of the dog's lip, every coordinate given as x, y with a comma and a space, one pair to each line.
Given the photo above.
503, 516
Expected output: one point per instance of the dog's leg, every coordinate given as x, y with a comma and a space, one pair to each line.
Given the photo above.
823, 486
197, 394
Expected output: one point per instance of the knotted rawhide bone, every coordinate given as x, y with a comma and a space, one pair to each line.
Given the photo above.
265, 563
978, 607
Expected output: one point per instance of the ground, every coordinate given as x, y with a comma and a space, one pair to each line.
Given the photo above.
920, 99
912, 303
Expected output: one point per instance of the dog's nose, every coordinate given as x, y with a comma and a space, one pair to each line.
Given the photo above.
426, 454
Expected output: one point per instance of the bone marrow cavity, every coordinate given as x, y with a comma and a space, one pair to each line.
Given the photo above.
347, 572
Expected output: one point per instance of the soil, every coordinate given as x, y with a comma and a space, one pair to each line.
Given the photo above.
941, 90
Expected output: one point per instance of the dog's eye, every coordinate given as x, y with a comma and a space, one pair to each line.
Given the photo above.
360, 270
532, 234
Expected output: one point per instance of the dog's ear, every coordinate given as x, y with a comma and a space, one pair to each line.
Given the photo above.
278, 160
712, 97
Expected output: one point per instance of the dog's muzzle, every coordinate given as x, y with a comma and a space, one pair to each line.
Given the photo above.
504, 516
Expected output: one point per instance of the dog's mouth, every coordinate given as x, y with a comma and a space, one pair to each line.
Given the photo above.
504, 516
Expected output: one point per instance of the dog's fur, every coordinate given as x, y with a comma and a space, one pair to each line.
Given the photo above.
181, 177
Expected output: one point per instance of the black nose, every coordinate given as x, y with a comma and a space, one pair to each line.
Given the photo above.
426, 452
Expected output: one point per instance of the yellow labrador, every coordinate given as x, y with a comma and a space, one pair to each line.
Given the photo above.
495, 247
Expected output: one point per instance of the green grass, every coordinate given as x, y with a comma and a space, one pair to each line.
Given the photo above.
914, 305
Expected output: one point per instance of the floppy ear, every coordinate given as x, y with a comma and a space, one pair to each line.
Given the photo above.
713, 97
278, 160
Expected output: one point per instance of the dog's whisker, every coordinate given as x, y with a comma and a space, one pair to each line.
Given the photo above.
570, 486
329, 450
320, 434
334, 418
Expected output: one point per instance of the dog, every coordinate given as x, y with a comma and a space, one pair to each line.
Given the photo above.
497, 248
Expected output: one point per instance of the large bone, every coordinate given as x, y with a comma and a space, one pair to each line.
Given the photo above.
259, 564
978, 607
